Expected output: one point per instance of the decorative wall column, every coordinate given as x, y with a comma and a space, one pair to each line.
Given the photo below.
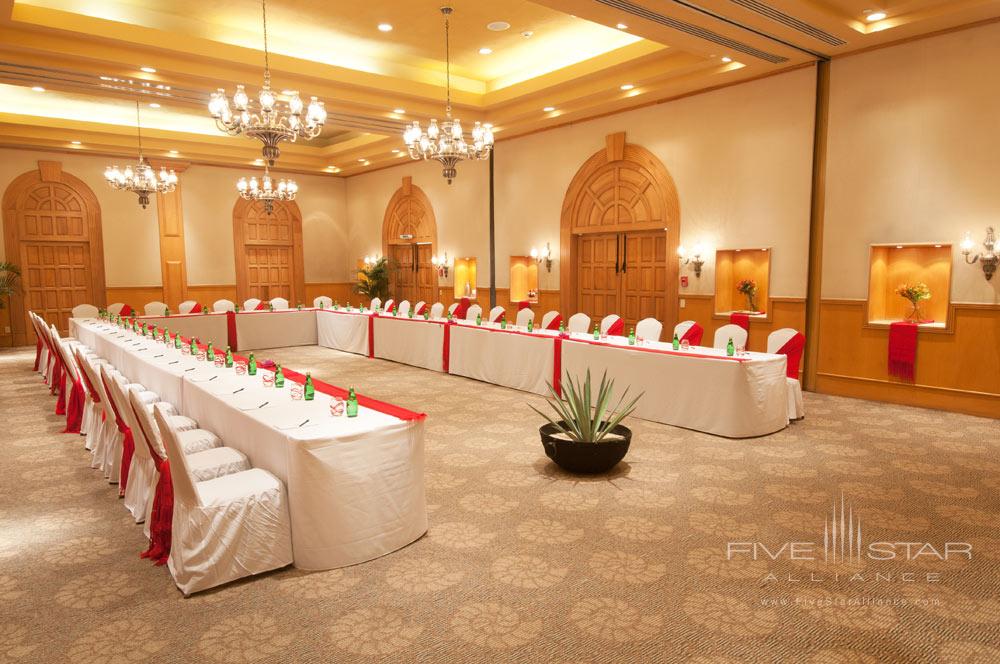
170, 214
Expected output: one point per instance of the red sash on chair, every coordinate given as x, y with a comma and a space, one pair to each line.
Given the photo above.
128, 443
59, 385
502, 316
38, 350
462, 309
74, 409
902, 350
617, 328
555, 322
126, 311
693, 335
793, 350
162, 515
420, 311
262, 306
523, 304
196, 309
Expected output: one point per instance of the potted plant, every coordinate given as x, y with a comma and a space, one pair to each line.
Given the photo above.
749, 288
9, 276
374, 280
588, 436
915, 294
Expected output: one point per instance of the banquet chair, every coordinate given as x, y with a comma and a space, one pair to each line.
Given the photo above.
85, 311
224, 528
46, 358
727, 332
497, 314
579, 323
251, 304
111, 457
689, 329
92, 424
437, 310
551, 320
452, 307
279, 303
523, 316
322, 302
133, 481
649, 329
404, 308
474, 310
790, 342
103, 424
116, 308
72, 383
187, 306
375, 303
389, 304
155, 308
613, 324
224, 305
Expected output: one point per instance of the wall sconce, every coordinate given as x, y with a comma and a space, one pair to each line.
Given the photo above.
988, 259
546, 255
695, 259
371, 260
441, 264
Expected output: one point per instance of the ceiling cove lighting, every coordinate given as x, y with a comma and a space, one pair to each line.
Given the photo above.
265, 120
875, 16
447, 143
141, 179
154, 105
548, 109
622, 26
627, 87
38, 88
265, 190
148, 70
399, 111
485, 51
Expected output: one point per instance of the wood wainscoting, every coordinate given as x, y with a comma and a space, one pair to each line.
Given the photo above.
958, 371
137, 296
783, 312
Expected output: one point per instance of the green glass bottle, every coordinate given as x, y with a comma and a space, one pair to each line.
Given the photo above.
229, 357
427, 314
236, 309
336, 306
597, 332
166, 312
730, 348
166, 335
279, 377
531, 325
210, 353
562, 329
177, 340
270, 306
409, 312
252, 365
194, 347
352, 403
503, 323
449, 317
204, 311
299, 307
676, 343
631, 336
479, 318
309, 391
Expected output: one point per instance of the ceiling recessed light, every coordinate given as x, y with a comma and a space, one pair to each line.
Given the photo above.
622, 26
78, 142
726, 58
527, 34
395, 151
627, 86
399, 111
875, 16
154, 105
148, 70
38, 88
485, 51
362, 160
498, 26
385, 27
173, 151
549, 109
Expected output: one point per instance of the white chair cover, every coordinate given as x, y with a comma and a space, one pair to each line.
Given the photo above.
251, 304
649, 328
608, 321
437, 310
388, 304
796, 406
496, 312
224, 305
85, 311
244, 515
523, 316
547, 318
474, 310
155, 308
322, 302
417, 307
186, 306
279, 303
682, 327
730, 331
404, 307
452, 307
115, 308
579, 323
375, 303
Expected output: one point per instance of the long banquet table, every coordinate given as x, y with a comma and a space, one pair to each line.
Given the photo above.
355, 485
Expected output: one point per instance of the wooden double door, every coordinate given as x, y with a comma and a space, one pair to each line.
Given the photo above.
412, 277
622, 273
268, 248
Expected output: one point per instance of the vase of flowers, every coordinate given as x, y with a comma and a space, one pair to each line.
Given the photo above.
749, 288
915, 294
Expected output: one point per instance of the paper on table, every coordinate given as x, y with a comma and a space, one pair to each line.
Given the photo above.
203, 376
286, 422
252, 402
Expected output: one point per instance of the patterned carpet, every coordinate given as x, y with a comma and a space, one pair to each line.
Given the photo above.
524, 563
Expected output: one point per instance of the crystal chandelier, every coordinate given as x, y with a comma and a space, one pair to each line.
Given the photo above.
265, 120
447, 143
265, 191
141, 179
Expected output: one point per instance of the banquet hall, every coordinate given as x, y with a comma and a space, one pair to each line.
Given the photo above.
549, 331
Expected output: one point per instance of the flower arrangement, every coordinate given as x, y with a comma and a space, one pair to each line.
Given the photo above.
749, 288
915, 294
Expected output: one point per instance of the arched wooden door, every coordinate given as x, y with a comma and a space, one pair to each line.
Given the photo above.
52, 230
620, 228
409, 236
268, 249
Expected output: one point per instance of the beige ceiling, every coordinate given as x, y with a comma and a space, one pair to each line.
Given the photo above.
87, 55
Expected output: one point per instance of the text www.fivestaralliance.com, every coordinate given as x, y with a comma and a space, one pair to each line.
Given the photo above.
823, 602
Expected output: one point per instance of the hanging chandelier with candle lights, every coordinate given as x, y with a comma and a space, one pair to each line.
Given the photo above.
141, 179
448, 143
267, 119
266, 191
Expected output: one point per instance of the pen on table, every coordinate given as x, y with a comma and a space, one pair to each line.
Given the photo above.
191, 369
304, 422
175, 362
156, 356
214, 377
263, 404
239, 390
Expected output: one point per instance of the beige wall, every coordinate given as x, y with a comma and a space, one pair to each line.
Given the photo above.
131, 236
740, 157
914, 155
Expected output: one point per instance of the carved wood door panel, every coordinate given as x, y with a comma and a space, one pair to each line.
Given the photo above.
403, 278
268, 251
643, 277
427, 276
597, 275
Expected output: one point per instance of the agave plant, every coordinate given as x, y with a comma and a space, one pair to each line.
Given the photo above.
581, 421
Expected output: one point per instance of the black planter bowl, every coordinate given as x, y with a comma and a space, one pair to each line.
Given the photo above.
586, 458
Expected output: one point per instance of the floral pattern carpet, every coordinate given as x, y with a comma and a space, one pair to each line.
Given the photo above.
524, 563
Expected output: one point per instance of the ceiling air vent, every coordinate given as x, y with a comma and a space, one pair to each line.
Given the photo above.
789, 21
693, 30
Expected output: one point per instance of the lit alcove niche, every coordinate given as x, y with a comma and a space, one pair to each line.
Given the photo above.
893, 265
523, 279
465, 277
732, 266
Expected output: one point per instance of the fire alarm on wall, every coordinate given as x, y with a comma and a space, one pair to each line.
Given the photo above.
684, 281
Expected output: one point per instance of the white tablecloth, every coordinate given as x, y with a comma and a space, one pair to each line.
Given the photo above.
343, 330
413, 341
205, 327
503, 357
276, 329
712, 393
355, 485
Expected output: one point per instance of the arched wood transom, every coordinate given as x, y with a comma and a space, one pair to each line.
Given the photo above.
52, 230
268, 250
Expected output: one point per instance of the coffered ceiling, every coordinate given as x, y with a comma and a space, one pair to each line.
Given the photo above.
71, 70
